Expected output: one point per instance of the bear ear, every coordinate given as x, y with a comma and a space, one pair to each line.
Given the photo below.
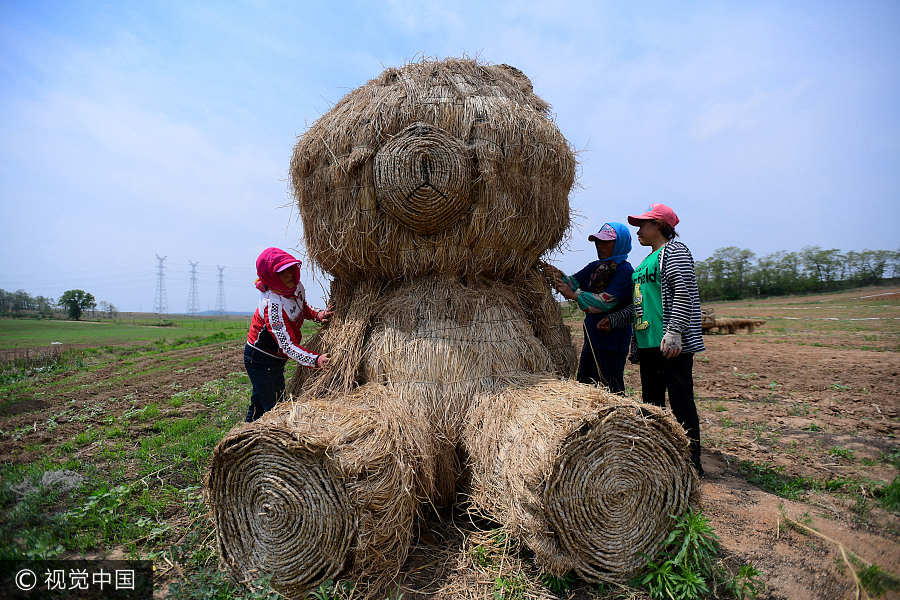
388, 77
521, 78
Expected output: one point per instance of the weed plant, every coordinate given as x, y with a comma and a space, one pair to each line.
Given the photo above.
689, 567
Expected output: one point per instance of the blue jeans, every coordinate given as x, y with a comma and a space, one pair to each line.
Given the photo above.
267, 376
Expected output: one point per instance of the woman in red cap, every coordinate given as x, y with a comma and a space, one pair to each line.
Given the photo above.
274, 335
667, 319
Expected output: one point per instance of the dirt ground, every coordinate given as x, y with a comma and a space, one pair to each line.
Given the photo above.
802, 394
117, 386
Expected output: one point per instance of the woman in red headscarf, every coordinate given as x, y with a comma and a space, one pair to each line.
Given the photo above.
274, 335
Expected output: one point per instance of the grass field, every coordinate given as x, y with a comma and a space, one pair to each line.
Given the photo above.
33, 333
103, 453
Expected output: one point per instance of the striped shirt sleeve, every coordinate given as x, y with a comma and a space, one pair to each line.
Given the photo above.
681, 296
622, 317
679, 270
298, 353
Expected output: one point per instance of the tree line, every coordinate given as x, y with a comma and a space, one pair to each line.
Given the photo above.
73, 302
732, 273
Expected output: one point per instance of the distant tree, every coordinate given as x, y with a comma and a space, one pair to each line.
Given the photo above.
822, 266
108, 309
44, 306
21, 301
726, 274
76, 301
894, 263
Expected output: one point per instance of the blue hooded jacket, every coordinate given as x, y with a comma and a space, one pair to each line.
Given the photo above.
623, 243
619, 285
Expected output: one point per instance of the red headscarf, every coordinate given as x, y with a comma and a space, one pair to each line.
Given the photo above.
270, 261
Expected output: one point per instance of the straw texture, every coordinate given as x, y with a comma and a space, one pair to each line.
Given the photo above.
315, 489
481, 130
422, 178
279, 503
587, 479
430, 195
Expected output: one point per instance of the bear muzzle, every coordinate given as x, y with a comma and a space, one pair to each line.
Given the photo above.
423, 178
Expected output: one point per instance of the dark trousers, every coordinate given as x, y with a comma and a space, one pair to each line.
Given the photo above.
267, 376
611, 368
676, 375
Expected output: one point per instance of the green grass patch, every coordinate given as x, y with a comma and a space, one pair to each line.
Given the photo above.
110, 509
510, 587
877, 581
798, 410
839, 452
892, 458
32, 333
217, 585
558, 585
889, 495
774, 480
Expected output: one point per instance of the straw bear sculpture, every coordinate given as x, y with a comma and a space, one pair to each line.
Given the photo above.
430, 195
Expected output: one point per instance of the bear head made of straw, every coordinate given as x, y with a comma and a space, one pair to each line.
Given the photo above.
448, 167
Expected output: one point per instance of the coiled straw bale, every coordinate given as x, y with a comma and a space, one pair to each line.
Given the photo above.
587, 479
316, 489
279, 504
423, 176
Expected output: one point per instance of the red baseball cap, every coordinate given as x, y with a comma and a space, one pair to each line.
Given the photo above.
656, 212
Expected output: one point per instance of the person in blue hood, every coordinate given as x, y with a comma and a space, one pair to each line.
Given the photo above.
602, 286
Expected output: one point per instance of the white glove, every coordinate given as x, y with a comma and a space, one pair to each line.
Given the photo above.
671, 344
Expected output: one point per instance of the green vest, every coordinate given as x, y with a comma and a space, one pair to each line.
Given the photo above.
648, 313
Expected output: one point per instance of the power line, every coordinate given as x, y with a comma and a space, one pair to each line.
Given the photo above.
192, 295
159, 300
220, 296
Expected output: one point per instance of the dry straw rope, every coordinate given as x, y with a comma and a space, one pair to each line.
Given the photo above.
614, 489
317, 489
588, 479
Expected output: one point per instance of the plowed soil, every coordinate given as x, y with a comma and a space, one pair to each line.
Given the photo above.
68, 398
817, 397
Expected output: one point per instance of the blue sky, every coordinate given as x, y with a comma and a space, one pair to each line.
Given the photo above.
130, 129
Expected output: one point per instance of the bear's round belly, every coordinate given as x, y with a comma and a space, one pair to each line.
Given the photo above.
438, 343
